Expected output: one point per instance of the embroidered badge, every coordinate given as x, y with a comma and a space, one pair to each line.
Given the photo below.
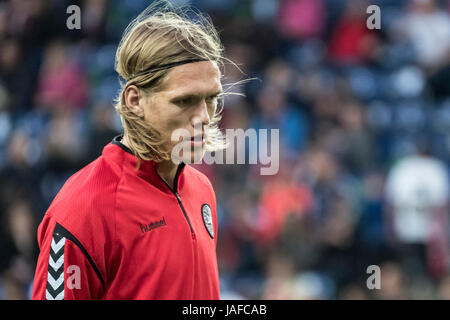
207, 219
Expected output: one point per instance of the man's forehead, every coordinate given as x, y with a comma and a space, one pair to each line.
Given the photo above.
199, 78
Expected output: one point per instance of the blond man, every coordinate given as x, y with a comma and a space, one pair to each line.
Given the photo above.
139, 222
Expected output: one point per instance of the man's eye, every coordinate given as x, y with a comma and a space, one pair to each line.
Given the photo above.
211, 100
186, 101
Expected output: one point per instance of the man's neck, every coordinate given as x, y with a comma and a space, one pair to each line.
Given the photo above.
166, 169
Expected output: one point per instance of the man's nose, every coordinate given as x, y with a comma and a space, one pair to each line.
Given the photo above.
202, 115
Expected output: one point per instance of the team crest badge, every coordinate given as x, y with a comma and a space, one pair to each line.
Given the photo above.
207, 219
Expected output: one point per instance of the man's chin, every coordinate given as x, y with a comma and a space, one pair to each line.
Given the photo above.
192, 157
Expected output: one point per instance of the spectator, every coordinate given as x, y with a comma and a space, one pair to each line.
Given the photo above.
351, 41
417, 192
301, 19
61, 82
427, 26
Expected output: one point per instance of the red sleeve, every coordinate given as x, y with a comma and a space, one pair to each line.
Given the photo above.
65, 270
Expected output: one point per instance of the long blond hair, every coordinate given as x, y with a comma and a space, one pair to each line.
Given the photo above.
162, 35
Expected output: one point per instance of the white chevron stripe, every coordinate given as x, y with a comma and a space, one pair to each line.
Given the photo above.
60, 296
57, 246
48, 296
56, 264
55, 283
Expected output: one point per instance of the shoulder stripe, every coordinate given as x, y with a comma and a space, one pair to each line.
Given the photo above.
55, 275
65, 233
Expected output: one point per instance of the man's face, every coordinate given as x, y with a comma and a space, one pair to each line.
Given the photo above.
186, 100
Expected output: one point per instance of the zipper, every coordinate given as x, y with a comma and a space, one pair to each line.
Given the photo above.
178, 198
184, 213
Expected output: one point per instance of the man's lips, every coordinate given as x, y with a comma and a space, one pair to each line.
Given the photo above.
198, 137
198, 140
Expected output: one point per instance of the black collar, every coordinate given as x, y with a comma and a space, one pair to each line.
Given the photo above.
117, 141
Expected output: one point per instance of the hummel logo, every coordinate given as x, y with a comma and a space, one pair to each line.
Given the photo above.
153, 225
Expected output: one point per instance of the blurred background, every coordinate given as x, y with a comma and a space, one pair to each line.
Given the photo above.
364, 119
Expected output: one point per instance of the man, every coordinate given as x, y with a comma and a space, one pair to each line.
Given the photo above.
134, 224
417, 195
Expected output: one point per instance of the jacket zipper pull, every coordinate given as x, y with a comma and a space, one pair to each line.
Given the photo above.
178, 197
185, 215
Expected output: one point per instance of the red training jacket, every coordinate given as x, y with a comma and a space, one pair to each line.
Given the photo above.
118, 232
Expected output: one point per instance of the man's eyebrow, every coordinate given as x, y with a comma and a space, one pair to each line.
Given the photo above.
195, 95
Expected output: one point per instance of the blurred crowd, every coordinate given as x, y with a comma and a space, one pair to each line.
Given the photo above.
364, 119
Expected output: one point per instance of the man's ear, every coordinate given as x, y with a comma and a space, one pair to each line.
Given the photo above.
132, 98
